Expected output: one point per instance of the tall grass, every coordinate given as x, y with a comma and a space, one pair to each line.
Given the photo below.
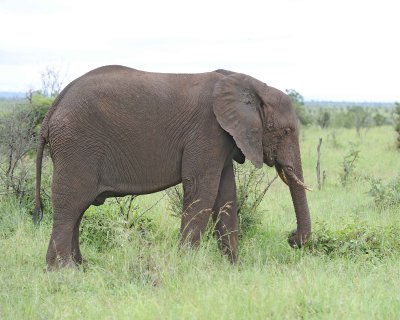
349, 270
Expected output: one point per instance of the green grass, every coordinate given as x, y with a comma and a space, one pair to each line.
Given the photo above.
350, 269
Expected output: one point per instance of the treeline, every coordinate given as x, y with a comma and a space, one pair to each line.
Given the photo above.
342, 115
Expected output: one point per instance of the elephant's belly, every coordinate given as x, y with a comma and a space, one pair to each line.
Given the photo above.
139, 176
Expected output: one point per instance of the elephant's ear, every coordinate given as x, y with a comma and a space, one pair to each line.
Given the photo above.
237, 109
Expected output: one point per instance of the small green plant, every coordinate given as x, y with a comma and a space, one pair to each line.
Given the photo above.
252, 185
175, 195
114, 222
100, 229
354, 240
385, 194
349, 164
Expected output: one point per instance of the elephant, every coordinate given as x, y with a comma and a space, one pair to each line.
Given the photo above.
117, 131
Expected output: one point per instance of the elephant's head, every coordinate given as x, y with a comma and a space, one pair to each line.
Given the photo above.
263, 124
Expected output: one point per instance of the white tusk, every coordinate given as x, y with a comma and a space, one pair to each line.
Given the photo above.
298, 181
282, 175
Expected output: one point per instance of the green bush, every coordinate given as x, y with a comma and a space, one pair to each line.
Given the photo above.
342, 119
361, 116
40, 104
385, 194
303, 114
19, 128
379, 119
251, 187
354, 240
100, 230
323, 118
175, 195
113, 224
349, 164
17, 142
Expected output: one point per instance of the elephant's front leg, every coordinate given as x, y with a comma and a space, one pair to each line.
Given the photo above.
200, 192
225, 214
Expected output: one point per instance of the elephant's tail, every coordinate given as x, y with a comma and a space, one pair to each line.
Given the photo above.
37, 215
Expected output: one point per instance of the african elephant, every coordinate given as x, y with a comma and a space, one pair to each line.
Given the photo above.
117, 131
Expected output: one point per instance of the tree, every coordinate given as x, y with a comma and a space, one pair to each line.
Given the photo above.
298, 104
51, 82
17, 139
323, 118
361, 118
379, 119
342, 119
39, 105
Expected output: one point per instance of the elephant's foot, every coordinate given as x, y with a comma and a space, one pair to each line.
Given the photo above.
228, 244
229, 252
61, 263
298, 239
78, 259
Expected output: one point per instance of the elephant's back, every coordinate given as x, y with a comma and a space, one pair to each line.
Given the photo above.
115, 103
115, 95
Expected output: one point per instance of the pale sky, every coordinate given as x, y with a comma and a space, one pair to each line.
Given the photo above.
326, 50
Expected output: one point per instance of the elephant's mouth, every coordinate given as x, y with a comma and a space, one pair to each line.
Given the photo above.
285, 171
268, 160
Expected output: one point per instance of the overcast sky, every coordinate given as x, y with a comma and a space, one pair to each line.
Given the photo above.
326, 50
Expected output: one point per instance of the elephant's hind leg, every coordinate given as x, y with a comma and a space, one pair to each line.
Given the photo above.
75, 248
69, 203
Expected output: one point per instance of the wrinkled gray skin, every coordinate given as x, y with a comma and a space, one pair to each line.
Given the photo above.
117, 131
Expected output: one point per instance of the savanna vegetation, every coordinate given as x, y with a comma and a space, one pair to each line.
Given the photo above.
135, 270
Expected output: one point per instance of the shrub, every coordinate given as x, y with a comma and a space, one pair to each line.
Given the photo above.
251, 187
302, 113
175, 195
342, 119
361, 118
40, 104
114, 223
349, 164
323, 118
100, 229
379, 119
17, 140
354, 240
385, 194
19, 129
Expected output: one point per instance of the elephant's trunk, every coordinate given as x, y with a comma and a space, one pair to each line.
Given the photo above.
297, 190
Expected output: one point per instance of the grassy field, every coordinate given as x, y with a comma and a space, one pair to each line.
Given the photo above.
350, 269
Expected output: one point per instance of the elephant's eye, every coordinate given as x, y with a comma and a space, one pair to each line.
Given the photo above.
288, 131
